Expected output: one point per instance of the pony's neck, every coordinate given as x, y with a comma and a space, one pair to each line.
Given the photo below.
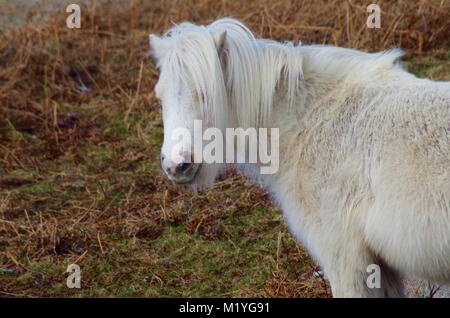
320, 81
330, 76
292, 79
327, 71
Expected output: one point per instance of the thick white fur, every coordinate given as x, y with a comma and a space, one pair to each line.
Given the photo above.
364, 172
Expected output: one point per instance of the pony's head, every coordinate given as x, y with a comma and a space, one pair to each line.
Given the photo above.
222, 76
191, 87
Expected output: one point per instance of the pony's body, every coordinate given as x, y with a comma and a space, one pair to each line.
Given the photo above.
364, 174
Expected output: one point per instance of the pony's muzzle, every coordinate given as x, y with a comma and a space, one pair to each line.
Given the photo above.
180, 171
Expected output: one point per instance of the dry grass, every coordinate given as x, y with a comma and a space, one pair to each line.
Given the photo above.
80, 132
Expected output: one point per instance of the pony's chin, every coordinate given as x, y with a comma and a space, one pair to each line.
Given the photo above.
205, 177
186, 178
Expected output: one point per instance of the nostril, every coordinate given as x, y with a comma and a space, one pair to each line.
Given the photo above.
183, 167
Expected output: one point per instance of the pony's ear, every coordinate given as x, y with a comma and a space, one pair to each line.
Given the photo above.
219, 40
158, 47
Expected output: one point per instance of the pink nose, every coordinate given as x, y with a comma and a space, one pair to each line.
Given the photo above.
182, 165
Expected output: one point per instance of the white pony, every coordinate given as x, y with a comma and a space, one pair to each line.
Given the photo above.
364, 173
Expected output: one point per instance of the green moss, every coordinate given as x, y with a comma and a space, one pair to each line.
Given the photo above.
38, 188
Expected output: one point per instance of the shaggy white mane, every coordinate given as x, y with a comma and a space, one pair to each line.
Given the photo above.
246, 72
253, 68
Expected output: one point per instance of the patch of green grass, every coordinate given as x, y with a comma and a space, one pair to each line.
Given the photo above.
155, 137
38, 188
117, 127
418, 70
10, 131
221, 267
22, 173
430, 67
39, 272
183, 265
98, 155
